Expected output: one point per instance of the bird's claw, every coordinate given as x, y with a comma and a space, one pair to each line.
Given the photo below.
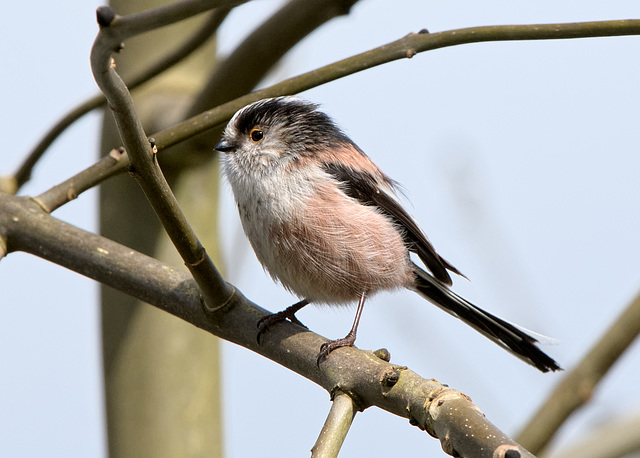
331, 345
269, 320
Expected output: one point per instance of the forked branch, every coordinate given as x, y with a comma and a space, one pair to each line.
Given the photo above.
578, 385
364, 376
142, 152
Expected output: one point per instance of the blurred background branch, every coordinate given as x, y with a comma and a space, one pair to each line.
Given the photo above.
579, 384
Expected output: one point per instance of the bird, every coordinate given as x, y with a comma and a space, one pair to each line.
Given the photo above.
328, 224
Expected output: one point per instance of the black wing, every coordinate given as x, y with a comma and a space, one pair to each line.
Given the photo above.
363, 187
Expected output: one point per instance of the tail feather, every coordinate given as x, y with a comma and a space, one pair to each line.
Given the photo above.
505, 334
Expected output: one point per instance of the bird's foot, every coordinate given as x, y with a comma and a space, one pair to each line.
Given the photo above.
288, 314
331, 345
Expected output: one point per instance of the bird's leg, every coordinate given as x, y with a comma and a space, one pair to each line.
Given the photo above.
349, 340
287, 314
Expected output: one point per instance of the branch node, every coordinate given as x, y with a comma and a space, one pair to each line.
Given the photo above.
389, 378
71, 193
105, 15
134, 172
383, 354
507, 451
360, 404
228, 301
42, 204
154, 147
117, 153
200, 260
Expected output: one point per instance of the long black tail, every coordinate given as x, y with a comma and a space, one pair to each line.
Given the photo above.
501, 332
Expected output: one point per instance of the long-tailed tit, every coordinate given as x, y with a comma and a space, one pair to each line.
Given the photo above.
326, 222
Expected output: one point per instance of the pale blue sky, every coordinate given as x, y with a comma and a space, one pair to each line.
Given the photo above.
520, 160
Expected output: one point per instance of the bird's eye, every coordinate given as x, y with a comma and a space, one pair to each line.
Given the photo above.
256, 135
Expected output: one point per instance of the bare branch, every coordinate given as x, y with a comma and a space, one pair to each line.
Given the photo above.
578, 386
335, 428
115, 162
469, 434
142, 154
208, 29
406, 47
387, 53
366, 378
135, 24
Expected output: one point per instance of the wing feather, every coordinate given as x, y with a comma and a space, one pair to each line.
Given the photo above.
379, 191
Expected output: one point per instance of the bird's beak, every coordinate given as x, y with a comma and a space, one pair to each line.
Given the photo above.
224, 146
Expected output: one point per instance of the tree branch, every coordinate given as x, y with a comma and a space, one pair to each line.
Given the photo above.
578, 386
206, 31
406, 47
113, 29
135, 24
335, 428
112, 164
387, 53
366, 378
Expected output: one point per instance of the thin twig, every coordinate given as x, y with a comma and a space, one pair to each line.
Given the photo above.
138, 23
208, 28
387, 53
403, 48
335, 428
578, 385
115, 162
